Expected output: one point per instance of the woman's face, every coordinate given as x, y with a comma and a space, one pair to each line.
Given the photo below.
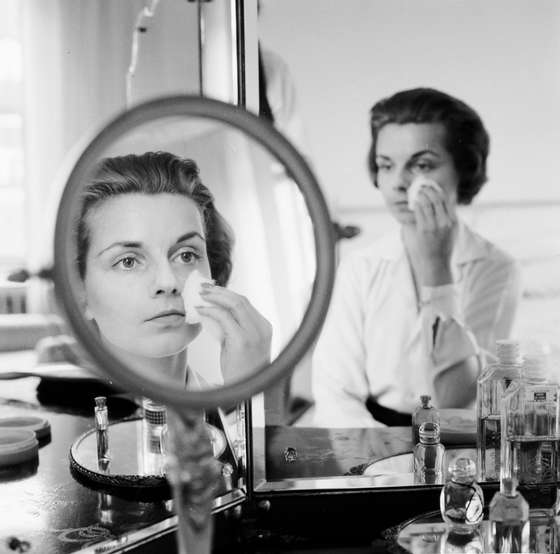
142, 249
404, 151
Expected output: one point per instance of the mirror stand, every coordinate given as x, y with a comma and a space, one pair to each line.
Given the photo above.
193, 473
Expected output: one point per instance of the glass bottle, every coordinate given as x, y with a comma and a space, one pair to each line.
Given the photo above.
509, 520
428, 455
154, 436
491, 385
461, 500
423, 413
531, 436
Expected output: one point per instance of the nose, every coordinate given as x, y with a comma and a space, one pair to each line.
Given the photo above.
403, 180
165, 282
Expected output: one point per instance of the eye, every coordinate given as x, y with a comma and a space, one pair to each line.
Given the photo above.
383, 167
187, 257
423, 165
127, 263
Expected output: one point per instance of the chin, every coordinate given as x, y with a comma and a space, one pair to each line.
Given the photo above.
174, 343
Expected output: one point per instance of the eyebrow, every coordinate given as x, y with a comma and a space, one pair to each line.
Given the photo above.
129, 244
190, 235
426, 151
415, 155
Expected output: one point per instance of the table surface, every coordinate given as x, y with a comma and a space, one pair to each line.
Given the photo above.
56, 514
48, 508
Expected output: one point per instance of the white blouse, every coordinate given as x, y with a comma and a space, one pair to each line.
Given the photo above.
380, 340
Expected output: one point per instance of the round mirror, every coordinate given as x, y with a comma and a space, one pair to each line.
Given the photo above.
194, 255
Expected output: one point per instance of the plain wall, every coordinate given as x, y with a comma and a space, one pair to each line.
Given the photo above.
500, 56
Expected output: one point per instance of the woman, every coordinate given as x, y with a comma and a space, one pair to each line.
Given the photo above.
418, 311
147, 222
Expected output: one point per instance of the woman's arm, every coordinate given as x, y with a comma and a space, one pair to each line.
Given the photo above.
461, 332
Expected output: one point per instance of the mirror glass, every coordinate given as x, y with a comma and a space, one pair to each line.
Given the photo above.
501, 59
143, 256
137, 461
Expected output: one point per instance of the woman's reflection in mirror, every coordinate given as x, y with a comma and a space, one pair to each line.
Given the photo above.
418, 311
146, 222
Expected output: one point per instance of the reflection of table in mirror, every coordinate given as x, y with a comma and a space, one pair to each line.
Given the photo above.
137, 460
428, 534
322, 452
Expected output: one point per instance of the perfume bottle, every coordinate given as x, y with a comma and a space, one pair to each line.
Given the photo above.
531, 436
509, 520
102, 431
491, 385
461, 500
428, 455
423, 413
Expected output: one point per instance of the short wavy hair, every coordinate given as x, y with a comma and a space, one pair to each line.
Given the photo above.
466, 137
157, 173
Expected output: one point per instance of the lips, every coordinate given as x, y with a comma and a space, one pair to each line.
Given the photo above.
167, 314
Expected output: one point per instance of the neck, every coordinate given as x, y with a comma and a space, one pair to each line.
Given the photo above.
174, 367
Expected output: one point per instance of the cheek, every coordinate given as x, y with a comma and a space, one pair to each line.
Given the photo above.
384, 187
452, 185
108, 299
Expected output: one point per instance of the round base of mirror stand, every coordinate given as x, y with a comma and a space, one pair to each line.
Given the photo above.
135, 465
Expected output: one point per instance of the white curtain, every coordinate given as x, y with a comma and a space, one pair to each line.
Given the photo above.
76, 56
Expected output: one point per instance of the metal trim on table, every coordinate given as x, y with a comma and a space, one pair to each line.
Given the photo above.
135, 539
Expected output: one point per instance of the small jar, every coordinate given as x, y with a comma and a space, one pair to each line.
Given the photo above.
461, 499
428, 455
423, 413
155, 423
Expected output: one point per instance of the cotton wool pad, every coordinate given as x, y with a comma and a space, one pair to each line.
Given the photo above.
191, 296
415, 187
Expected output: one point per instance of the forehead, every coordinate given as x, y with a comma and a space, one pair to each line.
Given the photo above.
150, 219
408, 138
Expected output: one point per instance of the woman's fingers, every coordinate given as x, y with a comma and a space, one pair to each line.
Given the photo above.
246, 333
230, 327
238, 305
434, 210
240, 309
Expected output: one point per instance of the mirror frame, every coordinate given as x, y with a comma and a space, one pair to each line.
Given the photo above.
298, 170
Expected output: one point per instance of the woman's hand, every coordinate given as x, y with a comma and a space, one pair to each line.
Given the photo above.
246, 334
434, 237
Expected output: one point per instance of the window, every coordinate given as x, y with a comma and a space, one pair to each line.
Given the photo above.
12, 228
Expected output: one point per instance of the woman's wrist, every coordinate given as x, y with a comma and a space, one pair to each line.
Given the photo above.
436, 273
441, 300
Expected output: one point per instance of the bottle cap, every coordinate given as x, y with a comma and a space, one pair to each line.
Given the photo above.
38, 425
100, 402
17, 446
429, 432
156, 414
509, 486
535, 366
508, 351
462, 468
425, 399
